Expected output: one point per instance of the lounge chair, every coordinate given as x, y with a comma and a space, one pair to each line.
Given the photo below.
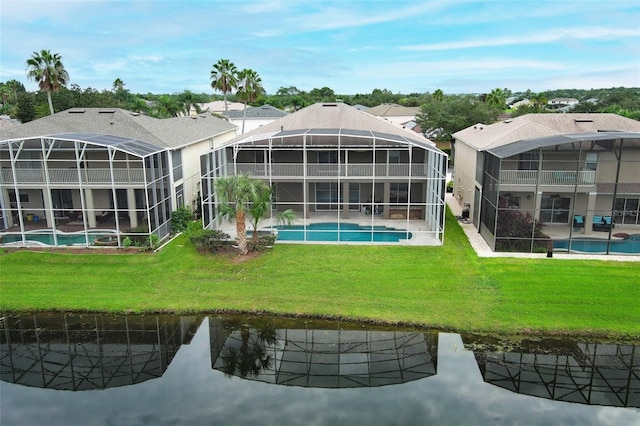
603, 223
578, 222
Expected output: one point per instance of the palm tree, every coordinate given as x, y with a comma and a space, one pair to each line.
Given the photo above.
259, 208
47, 70
249, 88
438, 95
118, 85
224, 77
497, 98
236, 194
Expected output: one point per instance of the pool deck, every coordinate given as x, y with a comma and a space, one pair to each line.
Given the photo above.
482, 249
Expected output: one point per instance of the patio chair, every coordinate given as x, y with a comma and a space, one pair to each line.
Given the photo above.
578, 222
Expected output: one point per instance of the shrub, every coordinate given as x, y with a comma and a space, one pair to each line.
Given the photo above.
181, 218
192, 227
264, 241
210, 240
127, 242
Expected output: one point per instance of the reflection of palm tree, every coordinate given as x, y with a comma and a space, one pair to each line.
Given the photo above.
251, 358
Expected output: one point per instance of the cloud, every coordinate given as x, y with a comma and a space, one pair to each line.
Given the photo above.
547, 37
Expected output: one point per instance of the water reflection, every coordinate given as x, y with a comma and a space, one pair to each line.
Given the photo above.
87, 352
308, 355
232, 353
581, 372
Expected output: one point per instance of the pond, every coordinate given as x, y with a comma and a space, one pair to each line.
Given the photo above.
79, 369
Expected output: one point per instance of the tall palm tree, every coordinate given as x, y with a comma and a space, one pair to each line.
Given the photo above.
497, 98
236, 194
118, 85
249, 88
259, 208
438, 95
47, 70
224, 78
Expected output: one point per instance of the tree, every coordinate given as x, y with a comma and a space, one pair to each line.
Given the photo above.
455, 113
438, 95
249, 88
224, 78
26, 110
497, 98
47, 70
118, 85
236, 194
259, 208
187, 100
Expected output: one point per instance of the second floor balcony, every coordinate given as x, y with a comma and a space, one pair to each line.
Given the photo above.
73, 176
319, 170
548, 177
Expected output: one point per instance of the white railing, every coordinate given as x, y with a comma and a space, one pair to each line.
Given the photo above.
70, 176
293, 170
548, 177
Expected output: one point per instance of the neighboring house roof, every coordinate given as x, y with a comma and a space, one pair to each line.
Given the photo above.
360, 107
257, 113
7, 122
217, 107
169, 132
531, 126
564, 101
518, 104
332, 118
393, 110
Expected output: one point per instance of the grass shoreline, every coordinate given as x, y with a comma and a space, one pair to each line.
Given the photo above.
447, 288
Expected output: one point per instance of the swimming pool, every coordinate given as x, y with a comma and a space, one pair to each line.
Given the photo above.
630, 245
47, 239
341, 232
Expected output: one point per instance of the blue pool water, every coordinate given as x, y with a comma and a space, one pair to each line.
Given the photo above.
63, 240
629, 246
347, 232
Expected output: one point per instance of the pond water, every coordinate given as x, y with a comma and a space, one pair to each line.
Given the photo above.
195, 370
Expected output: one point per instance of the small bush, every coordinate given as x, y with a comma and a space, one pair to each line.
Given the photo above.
264, 241
210, 240
127, 242
192, 227
181, 218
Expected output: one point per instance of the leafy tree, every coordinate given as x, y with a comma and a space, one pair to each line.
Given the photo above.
515, 230
236, 193
47, 70
224, 78
249, 88
324, 94
26, 110
455, 113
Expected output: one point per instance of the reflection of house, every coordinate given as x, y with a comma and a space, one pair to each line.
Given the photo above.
110, 170
586, 373
78, 352
254, 117
334, 162
323, 358
553, 167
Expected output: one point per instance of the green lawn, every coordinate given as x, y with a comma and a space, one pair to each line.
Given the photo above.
447, 287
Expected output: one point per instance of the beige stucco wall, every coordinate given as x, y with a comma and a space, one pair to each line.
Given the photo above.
464, 174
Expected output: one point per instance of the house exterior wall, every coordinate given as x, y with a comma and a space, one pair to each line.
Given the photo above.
465, 175
250, 123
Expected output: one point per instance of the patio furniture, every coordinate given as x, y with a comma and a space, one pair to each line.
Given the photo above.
603, 223
578, 222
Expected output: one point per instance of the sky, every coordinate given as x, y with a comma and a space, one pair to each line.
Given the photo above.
350, 46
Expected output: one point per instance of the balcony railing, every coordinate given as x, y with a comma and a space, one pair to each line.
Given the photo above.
297, 170
547, 177
70, 176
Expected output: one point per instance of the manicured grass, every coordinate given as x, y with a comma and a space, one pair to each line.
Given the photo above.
446, 287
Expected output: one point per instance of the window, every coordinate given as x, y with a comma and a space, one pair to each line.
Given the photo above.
394, 156
528, 161
176, 157
328, 157
555, 209
512, 201
398, 193
328, 196
591, 161
627, 210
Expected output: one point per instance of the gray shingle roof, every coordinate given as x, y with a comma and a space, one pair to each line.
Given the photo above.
264, 111
331, 116
531, 126
393, 110
168, 133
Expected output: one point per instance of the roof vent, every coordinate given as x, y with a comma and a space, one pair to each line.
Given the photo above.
76, 111
106, 111
508, 121
583, 120
135, 114
329, 105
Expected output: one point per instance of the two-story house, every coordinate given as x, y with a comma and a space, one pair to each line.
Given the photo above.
348, 175
567, 181
83, 174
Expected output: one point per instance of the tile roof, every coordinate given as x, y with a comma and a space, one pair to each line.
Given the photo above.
169, 132
530, 126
